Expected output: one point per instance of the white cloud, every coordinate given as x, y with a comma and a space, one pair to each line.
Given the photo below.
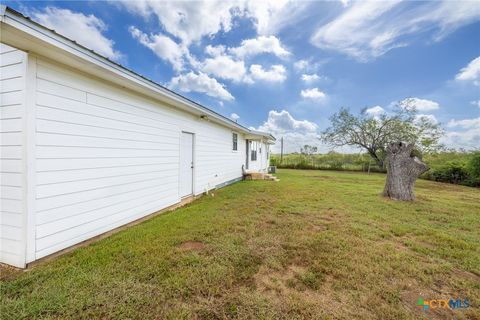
283, 122
471, 72
277, 73
232, 67
189, 21
271, 16
87, 30
345, 3
421, 104
224, 67
262, 44
427, 117
375, 111
234, 117
465, 135
468, 139
475, 103
164, 47
295, 133
310, 77
309, 66
200, 82
368, 29
465, 123
300, 65
215, 51
314, 94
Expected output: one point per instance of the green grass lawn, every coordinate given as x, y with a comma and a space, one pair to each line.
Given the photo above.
317, 244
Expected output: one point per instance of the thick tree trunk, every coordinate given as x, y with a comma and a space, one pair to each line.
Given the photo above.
402, 171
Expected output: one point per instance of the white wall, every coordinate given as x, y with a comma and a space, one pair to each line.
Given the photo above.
12, 165
262, 162
106, 156
266, 156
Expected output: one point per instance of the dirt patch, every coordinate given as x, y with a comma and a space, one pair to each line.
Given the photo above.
285, 289
397, 245
426, 244
266, 224
331, 217
467, 275
318, 228
191, 246
277, 283
327, 220
8, 272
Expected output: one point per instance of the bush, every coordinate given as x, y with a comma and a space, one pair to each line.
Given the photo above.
474, 165
336, 165
274, 161
473, 168
452, 172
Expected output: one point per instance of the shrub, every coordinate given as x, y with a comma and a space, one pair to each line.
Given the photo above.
452, 172
474, 165
335, 164
473, 168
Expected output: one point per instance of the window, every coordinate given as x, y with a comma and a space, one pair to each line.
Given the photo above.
235, 141
253, 151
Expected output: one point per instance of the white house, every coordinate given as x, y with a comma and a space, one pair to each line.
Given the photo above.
88, 145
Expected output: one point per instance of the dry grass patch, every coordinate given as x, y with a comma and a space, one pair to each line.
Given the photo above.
191, 245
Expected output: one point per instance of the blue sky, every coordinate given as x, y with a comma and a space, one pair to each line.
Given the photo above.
286, 66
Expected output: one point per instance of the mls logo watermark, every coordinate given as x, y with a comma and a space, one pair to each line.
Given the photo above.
443, 303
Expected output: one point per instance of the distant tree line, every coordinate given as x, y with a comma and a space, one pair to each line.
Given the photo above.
451, 166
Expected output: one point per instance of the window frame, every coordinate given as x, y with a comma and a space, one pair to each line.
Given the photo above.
253, 151
234, 142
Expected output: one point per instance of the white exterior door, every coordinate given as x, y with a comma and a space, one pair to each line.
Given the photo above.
186, 165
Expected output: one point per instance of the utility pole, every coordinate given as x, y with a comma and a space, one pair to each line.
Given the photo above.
281, 150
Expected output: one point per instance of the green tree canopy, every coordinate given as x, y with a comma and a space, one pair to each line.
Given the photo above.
374, 132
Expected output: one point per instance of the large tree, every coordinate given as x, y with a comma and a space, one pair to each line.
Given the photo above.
398, 137
374, 132
403, 169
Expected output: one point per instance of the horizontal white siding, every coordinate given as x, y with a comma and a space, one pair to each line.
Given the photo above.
106, 156
12, 111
